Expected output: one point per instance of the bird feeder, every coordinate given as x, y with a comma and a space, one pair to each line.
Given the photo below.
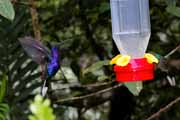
131, 33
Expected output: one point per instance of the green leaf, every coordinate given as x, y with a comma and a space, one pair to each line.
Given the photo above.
174, 10
104, 7
28, 79
102, 78
4, 110
25, 93
6, 9
41, 109
171, 2
96, 66
134, 87
3, 87
2, 117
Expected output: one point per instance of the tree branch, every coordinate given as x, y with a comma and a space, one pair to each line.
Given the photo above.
98, 84
88, 95
164, 109
165, 63
35, 23
86, 86
172, 51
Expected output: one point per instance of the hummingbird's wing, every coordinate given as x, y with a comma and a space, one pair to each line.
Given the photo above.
35, 49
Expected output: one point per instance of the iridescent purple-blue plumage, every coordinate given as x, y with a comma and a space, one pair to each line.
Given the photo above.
53, 65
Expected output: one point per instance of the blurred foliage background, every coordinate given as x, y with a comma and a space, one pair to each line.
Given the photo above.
85, 26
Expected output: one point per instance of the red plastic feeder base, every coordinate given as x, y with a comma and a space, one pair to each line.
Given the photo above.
136, 70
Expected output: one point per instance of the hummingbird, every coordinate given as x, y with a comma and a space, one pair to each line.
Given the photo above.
163, 66
48, 59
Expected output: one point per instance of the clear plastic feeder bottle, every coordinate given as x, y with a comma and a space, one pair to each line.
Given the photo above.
131, 26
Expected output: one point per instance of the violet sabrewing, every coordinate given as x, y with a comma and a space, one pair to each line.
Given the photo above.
41, 55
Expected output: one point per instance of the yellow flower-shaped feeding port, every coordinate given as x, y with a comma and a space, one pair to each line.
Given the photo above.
120, 60
123, 60
114, 59
151, 58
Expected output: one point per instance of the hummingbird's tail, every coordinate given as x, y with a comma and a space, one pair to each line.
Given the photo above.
44, 78
44, 88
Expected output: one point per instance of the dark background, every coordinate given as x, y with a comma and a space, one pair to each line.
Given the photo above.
85, 25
